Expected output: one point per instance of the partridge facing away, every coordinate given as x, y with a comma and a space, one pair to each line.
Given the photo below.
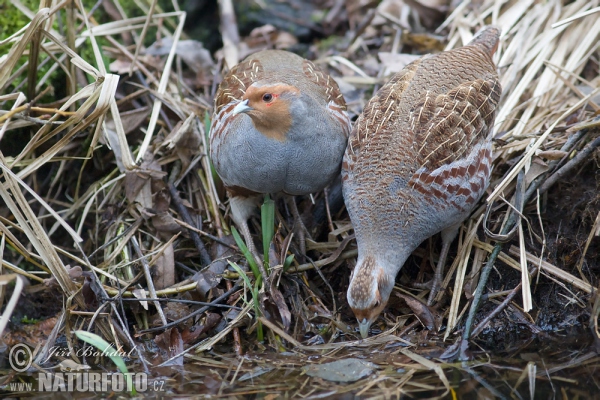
279, 126
417, 162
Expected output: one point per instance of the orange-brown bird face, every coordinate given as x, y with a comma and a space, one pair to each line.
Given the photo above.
368, 292
269, 108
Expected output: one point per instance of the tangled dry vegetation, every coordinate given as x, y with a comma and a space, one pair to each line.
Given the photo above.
108, 194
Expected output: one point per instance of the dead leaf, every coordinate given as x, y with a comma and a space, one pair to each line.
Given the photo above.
552, 154
91, 290
140, 294
212, 382
171, 343
429, 317
121, 67
189, 335
175, 311
134, 183
131, 120
75, 274
267, 36
205, 282
193, 54
138, 182
164, 268
186, 140
537, 168
275, 297
165, 224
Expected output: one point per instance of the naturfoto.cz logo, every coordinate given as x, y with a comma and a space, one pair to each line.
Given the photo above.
73, 377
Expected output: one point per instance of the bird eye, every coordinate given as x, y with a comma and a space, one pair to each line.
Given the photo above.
377, 304
267, 97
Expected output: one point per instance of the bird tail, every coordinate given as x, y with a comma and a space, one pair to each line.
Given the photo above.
487, 37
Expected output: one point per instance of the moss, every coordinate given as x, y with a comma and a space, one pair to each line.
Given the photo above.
331, 42
11, 20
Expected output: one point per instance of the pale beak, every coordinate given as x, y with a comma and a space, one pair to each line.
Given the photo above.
242, 107
364, 326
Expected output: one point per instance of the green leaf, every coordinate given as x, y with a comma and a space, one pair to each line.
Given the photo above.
241, 273
207, 125
267, 219
288, 262
255, 293
247, 254
107, 349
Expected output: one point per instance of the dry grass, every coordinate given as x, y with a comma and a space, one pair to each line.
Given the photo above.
87, 207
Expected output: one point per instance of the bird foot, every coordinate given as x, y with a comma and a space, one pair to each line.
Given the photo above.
301, 233
424, 285
433, 286
251, 247
299, 228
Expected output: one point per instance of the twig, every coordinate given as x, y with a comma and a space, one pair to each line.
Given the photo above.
236, 332
193, 314
149, 281
204, 256
208, 235
496, 311
182, 301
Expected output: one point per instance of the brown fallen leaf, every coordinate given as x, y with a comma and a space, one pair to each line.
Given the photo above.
429, 317
164, 269
171, 343
552, 154
537, 168
277, 299
189, 335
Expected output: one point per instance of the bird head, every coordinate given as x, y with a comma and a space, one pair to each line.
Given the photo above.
368, 292
269, 108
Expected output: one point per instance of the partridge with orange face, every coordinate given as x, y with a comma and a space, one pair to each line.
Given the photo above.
279, 126
417, 162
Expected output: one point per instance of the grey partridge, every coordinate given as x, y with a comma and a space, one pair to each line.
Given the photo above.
417, 162
279, 126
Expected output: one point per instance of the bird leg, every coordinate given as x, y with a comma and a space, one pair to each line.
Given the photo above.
434, 285
242, 209
299, 227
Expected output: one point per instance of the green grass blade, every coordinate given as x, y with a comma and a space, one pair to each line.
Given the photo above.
107, 349
267, 218
241, 273
247, 254
288, 262
254, 290
259, 328
207, 125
